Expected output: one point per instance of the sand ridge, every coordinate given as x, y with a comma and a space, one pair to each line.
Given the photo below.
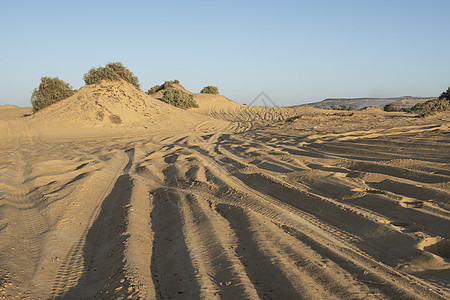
226, 200
114, 104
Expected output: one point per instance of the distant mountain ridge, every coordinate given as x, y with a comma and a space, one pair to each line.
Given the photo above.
358, 103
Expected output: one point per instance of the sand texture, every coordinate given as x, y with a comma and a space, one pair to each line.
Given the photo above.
222, 201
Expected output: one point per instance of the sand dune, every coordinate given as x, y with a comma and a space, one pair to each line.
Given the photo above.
224, 201
113, 104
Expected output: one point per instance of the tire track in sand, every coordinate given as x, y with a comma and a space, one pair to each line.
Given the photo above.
393, 282
72, 264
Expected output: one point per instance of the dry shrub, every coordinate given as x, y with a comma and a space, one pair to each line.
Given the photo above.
166, 85
344, 107
179, 98
112, 72
210, 90
392, 107
50, 90
433, 106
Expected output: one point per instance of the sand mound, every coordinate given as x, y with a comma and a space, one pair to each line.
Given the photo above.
11, 112
209, 101
112, 104
8, 106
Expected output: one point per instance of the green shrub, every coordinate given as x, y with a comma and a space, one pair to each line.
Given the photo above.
445, 95
210, 90
406, 109
344, 107
392, 107
166, 85
417, 107
112, 72
431, 107
179, 98
154, 89
50, 90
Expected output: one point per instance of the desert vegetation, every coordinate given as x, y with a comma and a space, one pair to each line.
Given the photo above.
445, 94
166, 85
344, 107
210, 90
112, 72
50, 90
391, 107
433, 106
179, 98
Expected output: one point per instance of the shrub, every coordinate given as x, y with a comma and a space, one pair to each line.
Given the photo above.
391, 107
166, 85
344, 107
50, 90
179, 98
433, 106
445, 95
210, 90
406, 109
112, 72
154, 89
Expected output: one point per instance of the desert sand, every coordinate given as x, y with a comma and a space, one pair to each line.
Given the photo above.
114, 194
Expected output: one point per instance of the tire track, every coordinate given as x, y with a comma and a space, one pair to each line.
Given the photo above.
23, 216
71, 267
209, 241
341, 238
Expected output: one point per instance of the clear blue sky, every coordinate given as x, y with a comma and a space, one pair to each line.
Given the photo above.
295, 51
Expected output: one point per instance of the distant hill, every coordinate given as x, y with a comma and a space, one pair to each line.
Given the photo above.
405, 101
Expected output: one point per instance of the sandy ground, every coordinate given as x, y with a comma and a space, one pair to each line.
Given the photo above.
223, 201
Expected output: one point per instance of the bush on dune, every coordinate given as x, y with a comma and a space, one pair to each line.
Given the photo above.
166, 85
210, 90
392, 107
154, 89
344, 107
50, 90
445, 95
112, 72
179, 98
433, 106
